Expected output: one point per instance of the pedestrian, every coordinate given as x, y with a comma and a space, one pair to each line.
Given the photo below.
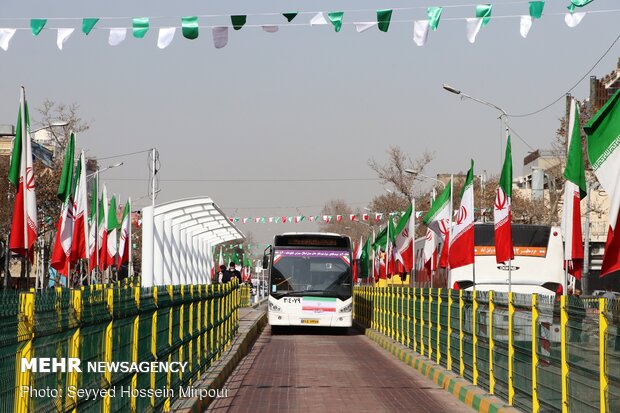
223, 275
234, 272
576, 314
609, 294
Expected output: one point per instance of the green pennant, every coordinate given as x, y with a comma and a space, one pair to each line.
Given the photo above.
88, 24
140, 27
336, 18
580, 3
238, 21
434, 14
290, 16
484, 11
383, 19
36, 25
189, 26
536, 9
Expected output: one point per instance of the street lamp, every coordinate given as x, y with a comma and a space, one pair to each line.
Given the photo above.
51, 125
502, 117
416, 173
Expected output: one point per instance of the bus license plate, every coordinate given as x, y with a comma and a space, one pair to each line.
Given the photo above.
309, 321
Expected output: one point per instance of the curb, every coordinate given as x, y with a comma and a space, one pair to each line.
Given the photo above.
460, 388
222, 368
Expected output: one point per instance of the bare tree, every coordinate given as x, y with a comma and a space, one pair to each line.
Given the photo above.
52, 112
394, 171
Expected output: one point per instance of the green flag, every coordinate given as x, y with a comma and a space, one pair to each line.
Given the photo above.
434, 14
189, 26
238, 21
365, 260
88, 24
336, 18
536, 9
66, 178
290, 16
484, 11
383, 19
36, 25
140, 27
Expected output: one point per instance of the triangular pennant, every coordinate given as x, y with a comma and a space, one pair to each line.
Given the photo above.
166, 34
483, 11
526, 25
36, 25
63, 36
238, 21
573, 19
318, 19
473, 27
140, 27
383, 19
363, 26
434, 14
420, 32
289, 16
88, 24
336, 18
270, 29
536, 9
5, 38
117, 36
220, 37
189, 26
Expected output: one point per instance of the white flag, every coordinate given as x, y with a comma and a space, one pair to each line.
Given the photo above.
363, 26
526, 25
166, 34
318, 19
63, 36
420, 32
573, 19
5, 38
117, 36
220, 37
473, 27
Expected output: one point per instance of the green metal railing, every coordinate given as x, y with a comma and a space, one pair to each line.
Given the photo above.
120, 322
537, 353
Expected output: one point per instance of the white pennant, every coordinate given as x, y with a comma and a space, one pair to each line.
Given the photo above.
270, 29
573, 19
220, 37
473, 27
526, 25
5, 38
318, 19
363, 26
117, 36
420, 32
63, 35
165, 36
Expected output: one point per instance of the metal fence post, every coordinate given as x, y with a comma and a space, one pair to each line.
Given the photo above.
108, 344
449, 343
154, 341
535, 403
564, 355
422, 321
26, 323
408, 301
429, 347
491, 344
602, 338
439, 325
511, 349
461, 334
474, 324
415, 319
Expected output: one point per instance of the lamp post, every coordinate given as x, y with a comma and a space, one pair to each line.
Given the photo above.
502, 116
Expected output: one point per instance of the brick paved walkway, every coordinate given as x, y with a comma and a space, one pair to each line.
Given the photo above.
318, 371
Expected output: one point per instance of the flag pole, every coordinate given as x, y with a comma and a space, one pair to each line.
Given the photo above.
505, 122
130, 252
413, 217
450, 223
25, 135
97, 224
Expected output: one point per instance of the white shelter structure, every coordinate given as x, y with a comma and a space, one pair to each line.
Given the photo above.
177, 239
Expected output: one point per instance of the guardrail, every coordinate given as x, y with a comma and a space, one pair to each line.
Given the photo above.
246, 292
111, 323
535, 352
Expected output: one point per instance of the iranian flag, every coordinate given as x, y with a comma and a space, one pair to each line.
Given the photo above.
124, 241
574, 190
438, 220
61, 253
112, 243
404, 238
381, 246
430, 251
603, 132
102, 235
364, 271
502, 215
94, 221
79, 247
357, 254
21, 174
462, 242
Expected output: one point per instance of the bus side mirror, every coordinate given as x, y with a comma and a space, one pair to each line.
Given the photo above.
265, 262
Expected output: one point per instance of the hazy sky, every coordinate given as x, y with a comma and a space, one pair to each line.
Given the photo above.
303, 103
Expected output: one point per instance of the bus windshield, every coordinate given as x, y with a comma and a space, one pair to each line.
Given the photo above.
527, 240
311, 272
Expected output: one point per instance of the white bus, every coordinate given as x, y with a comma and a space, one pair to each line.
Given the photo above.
310, 280
537, 267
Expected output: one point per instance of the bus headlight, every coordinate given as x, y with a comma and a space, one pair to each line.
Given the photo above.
346, 308
273, 307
